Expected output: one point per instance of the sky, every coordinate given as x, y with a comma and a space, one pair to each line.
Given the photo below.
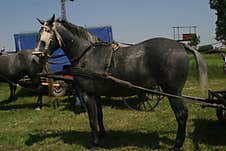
132, 21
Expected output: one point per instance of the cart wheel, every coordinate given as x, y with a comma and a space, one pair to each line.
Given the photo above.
60, 90
151, 103
221, 115
144, 102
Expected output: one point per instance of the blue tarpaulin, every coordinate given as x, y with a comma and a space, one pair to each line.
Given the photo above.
25, 41
104, 33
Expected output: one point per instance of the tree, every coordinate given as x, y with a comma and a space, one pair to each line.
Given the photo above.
194, 40
220, 7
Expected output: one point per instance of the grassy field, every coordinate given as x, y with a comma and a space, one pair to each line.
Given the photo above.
22, 128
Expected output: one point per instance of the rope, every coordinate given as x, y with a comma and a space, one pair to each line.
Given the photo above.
128, 44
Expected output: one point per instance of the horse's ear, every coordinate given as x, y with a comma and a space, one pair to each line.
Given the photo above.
50, 22
40, 21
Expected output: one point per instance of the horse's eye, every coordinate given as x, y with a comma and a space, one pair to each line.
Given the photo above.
48, 30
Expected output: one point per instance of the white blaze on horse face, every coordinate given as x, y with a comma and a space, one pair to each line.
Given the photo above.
45, 36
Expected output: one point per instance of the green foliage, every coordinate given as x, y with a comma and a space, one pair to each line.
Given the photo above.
194, 40
220, 7
215, 67
214, 4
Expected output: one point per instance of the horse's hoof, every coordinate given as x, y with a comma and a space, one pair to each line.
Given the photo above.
37, 109
93, 146
9, 100
174, 149
15, 98
102, 134
101, 141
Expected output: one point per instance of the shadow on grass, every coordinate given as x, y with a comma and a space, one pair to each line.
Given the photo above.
20, 106
111, 102
4, 102
113, 139
25, 92
209, 132
118, 103
9, 105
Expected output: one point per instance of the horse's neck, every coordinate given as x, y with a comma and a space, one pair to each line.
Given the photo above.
75, 42
73, 46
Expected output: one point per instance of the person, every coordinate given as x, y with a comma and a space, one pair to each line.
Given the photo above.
3, 51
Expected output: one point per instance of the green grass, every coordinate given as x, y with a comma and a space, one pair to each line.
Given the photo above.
214, 63
22, 128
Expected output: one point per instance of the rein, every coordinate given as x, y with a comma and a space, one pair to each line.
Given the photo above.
123, 43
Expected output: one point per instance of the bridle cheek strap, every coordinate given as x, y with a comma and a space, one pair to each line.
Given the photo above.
58, 36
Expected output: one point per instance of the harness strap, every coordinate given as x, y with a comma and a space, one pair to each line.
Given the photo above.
115, 47
76, 60
59, 38
128, 44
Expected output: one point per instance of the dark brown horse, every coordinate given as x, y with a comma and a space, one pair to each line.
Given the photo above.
157, 61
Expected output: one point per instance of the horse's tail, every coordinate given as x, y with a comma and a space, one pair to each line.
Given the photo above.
201, 66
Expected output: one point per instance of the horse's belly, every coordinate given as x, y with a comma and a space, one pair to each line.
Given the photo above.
106, 87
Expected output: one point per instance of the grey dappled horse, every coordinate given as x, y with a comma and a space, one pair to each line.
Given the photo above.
14, 67
158, 61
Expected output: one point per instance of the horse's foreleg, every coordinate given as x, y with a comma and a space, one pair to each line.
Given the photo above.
100, 117
181, 113
12, 92
93, 119
38, 104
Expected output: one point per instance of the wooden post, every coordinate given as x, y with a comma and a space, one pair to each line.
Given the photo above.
63, 10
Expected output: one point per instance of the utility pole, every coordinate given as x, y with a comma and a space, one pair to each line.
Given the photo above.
63, 9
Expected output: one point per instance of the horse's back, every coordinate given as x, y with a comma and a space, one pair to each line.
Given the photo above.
6, 62
12, 66
159, 61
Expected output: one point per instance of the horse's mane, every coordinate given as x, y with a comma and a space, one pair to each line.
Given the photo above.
79, 31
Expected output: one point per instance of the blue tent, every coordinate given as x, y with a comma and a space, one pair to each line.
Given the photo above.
25, 41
